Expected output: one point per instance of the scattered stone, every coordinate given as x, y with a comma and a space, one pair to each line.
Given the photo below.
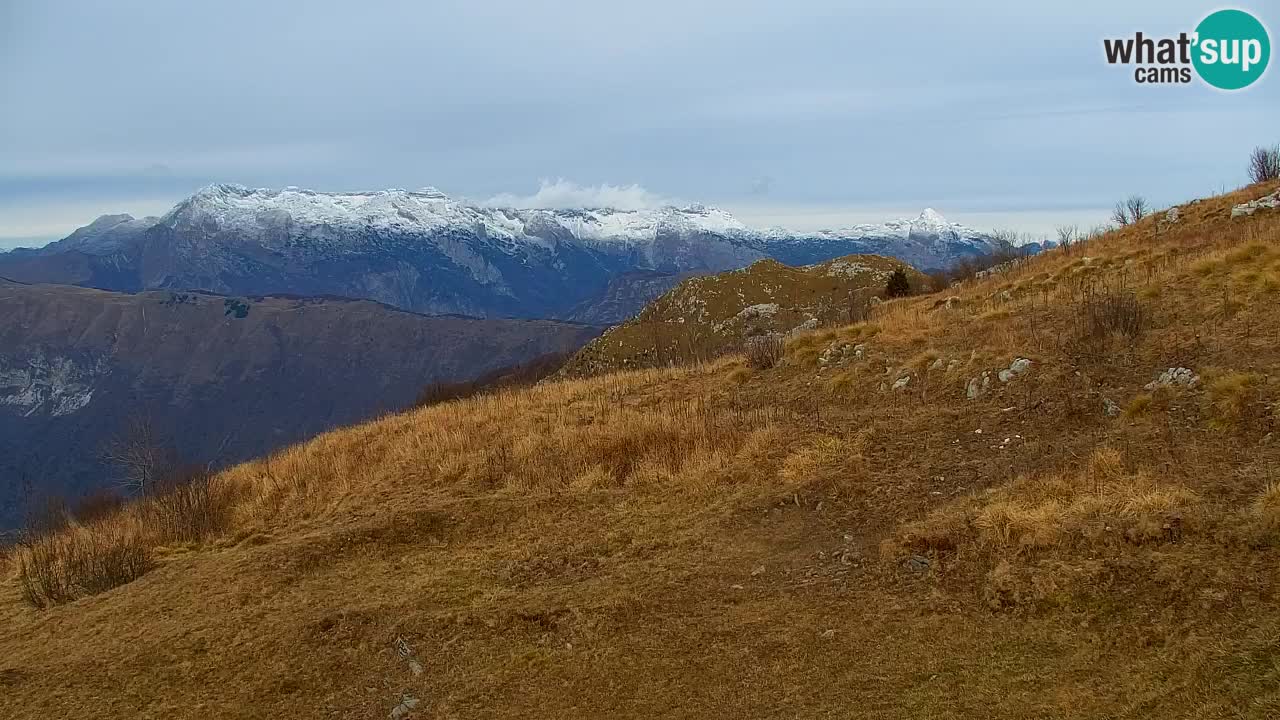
902, 382
1172, 216
1016, 368
829, 634
831, 354
1179, 377
997, 269
936, 365
1109, 407
918, 563
978, 386
1267, 202
757, 571
406, 706
804, 327
406, 653
953, 365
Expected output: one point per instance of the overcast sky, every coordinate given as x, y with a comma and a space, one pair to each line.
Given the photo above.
801, 113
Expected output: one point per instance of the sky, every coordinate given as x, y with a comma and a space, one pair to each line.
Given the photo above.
803, 114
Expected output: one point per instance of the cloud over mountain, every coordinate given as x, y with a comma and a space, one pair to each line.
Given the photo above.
563, 194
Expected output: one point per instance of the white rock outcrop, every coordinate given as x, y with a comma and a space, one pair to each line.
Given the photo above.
1175, 377
1266, 202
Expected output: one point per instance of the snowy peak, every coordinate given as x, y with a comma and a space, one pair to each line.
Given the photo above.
255, 213
425, 251
931, 218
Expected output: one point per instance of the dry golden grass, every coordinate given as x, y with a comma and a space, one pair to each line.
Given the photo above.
799, 541
708, 316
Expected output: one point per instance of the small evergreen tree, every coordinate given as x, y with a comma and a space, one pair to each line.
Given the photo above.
898, 285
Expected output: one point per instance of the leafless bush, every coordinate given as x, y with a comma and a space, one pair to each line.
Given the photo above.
1116, 313
1264, 164
939, 280
1067, 235
1130, 211
859, 307
968, 268
186, 507
1108, 313
96, 506
56, 568
1006, 238
140, 455
1138, 207
764, 352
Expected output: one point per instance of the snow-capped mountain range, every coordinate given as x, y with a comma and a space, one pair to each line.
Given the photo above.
424, 251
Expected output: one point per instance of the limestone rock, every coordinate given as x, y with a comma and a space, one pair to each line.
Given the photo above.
1175, 377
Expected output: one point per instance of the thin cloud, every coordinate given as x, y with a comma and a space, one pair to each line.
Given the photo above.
560, 194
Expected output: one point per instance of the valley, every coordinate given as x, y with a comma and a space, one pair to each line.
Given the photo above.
226, 379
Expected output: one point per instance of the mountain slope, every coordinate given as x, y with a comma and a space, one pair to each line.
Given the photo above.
422, 251
707, 316
1089, 535
624, 294
238, 376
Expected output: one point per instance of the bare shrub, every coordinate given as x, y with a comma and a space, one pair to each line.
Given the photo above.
140, 455
1131, 210
1264, 164
1113, 313
859, 307
1138, 207
186, 507
939, 280
1102, 317
57, 568
1067, 235
1005, 238
763, 352
96, 506
968, 268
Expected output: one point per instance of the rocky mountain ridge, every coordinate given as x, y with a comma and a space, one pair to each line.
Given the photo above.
426, 252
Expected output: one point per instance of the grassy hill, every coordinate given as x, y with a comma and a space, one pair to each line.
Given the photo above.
1043, 521
706, 316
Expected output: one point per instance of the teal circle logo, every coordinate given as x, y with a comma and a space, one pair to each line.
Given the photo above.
1232, 49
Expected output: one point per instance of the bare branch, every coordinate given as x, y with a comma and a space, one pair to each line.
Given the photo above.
1264, 164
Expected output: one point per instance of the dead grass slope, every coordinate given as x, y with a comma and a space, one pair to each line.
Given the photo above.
804, 541
708, 316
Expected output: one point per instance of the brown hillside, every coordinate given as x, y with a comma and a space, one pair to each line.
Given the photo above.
707, 316
226, 379
801, 542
